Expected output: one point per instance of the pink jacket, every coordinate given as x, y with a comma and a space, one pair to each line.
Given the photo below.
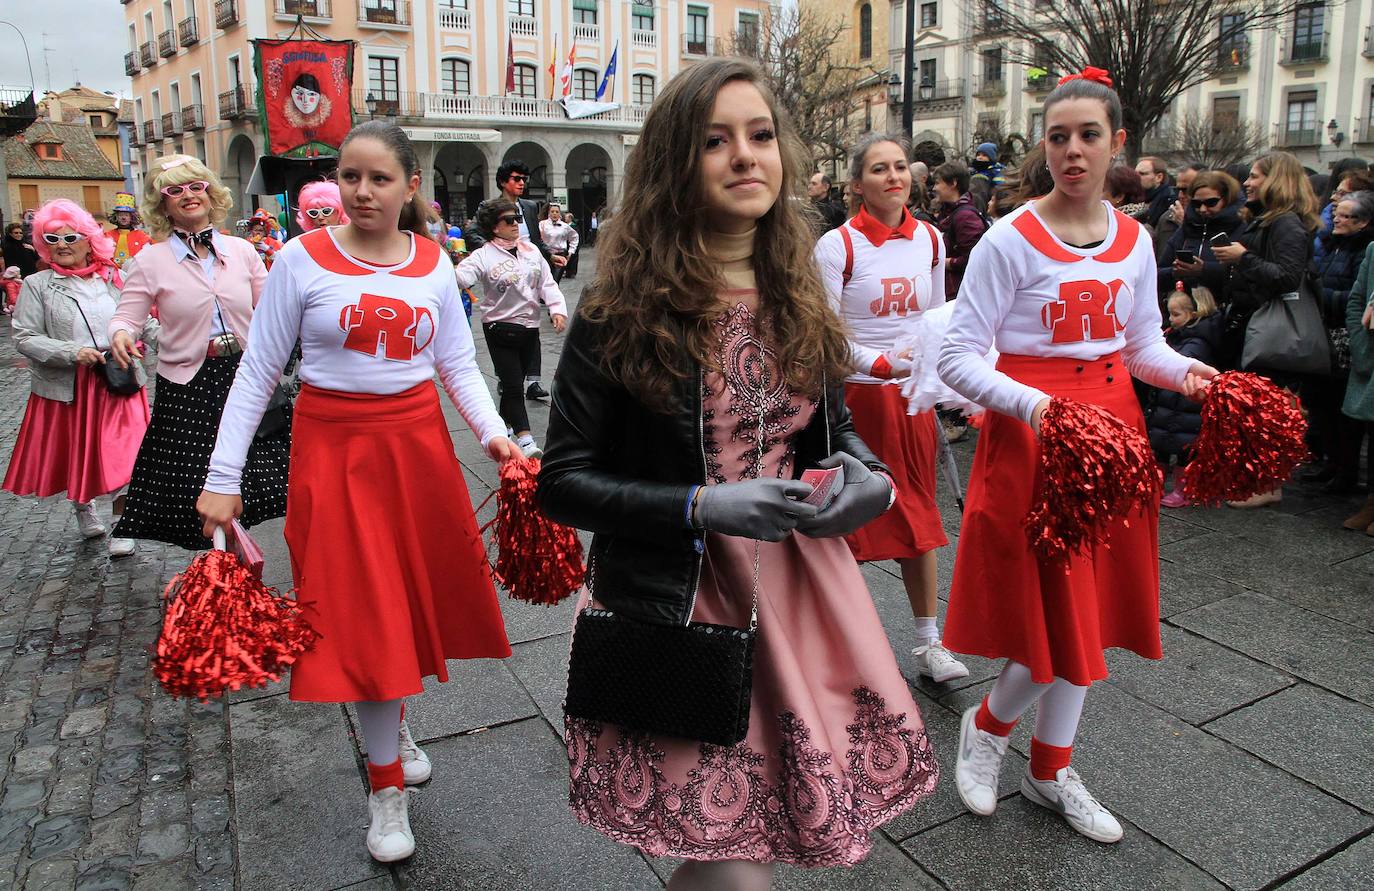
184, 300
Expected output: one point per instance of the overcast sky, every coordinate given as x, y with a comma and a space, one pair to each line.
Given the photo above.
85, 41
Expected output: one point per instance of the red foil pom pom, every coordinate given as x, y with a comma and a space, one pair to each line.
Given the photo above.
1094, 470
1252, 438
537, 559
224, 630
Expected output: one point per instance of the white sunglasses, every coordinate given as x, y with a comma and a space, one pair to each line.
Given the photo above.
69, 238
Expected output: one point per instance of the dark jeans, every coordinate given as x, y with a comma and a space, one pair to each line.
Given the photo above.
515, 353
556, 269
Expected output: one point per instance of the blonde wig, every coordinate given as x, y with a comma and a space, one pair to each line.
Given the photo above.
172, 170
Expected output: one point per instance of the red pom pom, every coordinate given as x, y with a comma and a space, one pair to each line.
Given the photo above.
1094, 469
536, 559
1252, 438
224, 629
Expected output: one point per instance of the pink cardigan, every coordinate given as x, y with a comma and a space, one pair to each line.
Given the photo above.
182, 296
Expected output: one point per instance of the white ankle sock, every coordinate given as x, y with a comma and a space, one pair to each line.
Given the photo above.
927, 630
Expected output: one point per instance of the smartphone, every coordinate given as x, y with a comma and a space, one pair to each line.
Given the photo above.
1221, 239
1186, 256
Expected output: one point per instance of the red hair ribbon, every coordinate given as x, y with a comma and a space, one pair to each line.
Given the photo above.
1097, 75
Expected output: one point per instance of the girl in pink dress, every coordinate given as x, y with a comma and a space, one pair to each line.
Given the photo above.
702, 375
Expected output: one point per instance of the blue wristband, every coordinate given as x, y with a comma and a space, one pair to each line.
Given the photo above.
687, 511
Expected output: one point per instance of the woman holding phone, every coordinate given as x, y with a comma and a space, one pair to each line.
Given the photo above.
1211, 209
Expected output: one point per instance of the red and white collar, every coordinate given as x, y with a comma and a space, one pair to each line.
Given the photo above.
878, 232
1116, 248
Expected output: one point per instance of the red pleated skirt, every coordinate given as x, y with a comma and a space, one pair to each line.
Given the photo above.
86, 447
385, 552
906, 444
1057, 618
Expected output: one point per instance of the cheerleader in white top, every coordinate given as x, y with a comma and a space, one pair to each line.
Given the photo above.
385, 552
1065, 288
883, 270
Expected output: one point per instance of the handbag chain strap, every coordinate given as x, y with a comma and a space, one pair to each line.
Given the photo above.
62, 289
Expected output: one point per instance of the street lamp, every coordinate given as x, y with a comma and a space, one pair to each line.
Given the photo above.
371, 103
894, 88
927, 90
1333, 133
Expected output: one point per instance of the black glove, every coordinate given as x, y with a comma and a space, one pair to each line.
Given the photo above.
764, 509
865, 496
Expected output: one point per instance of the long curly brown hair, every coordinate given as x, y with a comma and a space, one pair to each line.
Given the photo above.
658, 290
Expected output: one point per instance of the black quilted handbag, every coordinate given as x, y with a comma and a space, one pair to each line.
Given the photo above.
691, 681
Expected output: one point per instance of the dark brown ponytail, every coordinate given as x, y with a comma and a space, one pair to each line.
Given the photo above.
416, 213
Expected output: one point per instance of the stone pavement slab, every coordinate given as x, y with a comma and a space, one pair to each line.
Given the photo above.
1351, 868
1027, 848
1318, 649
1313, 734
1183, 587
495, 815
300, 797
541, 667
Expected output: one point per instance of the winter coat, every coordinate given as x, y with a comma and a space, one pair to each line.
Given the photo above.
1276, 260
963, 226
1159, 199
1359, 390
19, 253
1337, 267
1195, 235
1176, 419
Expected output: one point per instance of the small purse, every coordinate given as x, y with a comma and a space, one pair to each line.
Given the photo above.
119, 381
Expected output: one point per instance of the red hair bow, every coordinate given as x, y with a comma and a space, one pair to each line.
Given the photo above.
1099, 75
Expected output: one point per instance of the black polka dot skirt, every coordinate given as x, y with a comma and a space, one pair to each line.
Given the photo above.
175, 457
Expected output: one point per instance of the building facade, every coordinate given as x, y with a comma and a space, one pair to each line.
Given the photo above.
74, 149
439, 68
1306, 83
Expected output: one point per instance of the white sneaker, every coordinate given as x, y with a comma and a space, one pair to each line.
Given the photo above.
87, 521
122, 547
414, 761
936, 663
389, 837
532, 450
977, 765
1066, 794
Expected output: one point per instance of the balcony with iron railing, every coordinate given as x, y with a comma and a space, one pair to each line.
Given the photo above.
950, 89
147, 55
455, 19
441, 108
1310, 50
523, 25
699, 45
167, 43
193, 117
287, 10
152, 132
131, 66
584, 33
1042, 82
988, 86
226, 14
233, 104
644, 39
188, 31
171, 123
1233, 57
1298, 138
384, 13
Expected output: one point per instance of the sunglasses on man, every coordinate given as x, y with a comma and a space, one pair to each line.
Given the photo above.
69, 238
1200, 203
519, 177
176, 190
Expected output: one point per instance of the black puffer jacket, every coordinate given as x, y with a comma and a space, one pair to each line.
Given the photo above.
1176, 419
1277, 257
1194, 235
623, 470
1338, 265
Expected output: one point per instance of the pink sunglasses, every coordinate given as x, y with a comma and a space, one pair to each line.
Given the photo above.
195, 188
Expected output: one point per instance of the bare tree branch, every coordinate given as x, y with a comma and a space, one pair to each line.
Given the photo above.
1216, 141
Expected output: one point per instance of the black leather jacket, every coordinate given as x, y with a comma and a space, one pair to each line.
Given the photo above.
614, 466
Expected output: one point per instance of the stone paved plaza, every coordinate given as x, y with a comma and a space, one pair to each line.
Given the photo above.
1243, 760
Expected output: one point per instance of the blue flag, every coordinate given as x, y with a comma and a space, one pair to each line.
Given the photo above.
606, 79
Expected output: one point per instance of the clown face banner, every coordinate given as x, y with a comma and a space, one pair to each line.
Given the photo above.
303, 95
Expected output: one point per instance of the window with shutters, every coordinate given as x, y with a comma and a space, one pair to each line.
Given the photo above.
457, 74
584, 12
525, 81
643, 87
928, 14
866, 31
584, 84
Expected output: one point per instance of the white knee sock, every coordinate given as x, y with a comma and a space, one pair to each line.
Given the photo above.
1056, 718
1014, 692
381, 726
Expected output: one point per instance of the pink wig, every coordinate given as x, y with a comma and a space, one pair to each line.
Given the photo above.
61, 212
316, 195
